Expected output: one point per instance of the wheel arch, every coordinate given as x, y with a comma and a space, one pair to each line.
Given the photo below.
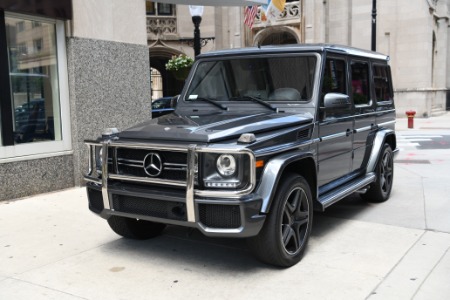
302, 164
382, 137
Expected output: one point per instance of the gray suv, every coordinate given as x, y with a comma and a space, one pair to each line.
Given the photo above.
261, 138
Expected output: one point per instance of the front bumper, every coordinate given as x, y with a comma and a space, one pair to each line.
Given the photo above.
239, 217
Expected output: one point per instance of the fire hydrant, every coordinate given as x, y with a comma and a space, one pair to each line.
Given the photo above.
410, 114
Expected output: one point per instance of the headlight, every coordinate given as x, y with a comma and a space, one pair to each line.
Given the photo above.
225, 171
226, 165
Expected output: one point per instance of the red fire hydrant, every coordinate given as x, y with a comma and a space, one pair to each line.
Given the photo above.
410, 114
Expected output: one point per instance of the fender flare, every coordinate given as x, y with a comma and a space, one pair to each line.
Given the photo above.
272, 174
378, 142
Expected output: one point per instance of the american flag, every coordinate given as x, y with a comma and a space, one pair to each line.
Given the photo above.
250, 14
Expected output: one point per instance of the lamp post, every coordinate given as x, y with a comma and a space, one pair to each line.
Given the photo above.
196, 13
374, 25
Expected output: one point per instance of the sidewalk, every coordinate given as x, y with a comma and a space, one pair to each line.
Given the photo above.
52, 247
440, 123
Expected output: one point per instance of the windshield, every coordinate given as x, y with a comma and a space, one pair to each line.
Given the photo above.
269, 79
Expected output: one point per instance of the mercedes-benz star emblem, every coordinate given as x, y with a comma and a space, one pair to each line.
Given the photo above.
153, 164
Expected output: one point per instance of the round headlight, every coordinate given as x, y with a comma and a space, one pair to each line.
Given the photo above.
226, 165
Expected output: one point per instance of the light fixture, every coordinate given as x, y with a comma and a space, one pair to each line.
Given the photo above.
196, 12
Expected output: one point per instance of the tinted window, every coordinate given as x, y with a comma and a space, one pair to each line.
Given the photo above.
383, 86
334, 79
271, 78
360, 83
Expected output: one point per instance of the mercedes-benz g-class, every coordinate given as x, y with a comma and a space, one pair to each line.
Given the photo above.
261, 138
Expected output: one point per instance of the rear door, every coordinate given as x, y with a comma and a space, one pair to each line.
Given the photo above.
364, 110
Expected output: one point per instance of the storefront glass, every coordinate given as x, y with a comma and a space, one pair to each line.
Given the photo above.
34, 80
33, 110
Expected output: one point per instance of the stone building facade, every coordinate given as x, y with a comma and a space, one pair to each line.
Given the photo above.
68, 70
413, 33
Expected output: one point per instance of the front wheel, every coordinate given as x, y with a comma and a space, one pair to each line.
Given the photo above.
284, 236
380, 190
134, 228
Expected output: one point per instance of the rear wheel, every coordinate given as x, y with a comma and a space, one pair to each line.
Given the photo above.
380, 190
284, 236
134, 228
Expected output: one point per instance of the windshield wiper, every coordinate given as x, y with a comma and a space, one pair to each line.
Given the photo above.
257, 100
213, 102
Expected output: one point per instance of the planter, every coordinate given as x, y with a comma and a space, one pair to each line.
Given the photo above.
181, 74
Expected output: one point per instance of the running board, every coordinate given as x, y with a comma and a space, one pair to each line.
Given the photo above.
345, 190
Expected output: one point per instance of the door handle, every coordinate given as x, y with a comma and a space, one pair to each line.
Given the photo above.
348, 132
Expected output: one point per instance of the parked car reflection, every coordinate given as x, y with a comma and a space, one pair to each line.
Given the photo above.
163, 106
31, 123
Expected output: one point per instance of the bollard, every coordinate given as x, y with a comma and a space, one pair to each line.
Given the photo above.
410, 114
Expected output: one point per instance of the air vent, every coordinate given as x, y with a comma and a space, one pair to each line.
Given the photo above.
302, 134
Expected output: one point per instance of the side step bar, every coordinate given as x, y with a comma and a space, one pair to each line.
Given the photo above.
335, 195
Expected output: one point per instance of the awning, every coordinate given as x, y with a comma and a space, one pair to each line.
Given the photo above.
215, 2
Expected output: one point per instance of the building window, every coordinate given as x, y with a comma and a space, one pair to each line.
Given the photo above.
164, 9
37, 44
22, 49
34, 108
159, 9
20, 26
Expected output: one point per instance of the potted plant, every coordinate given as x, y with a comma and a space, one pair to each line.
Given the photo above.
180, 66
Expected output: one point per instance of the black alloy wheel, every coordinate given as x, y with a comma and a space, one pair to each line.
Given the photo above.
295, 221
380, 190
282, 240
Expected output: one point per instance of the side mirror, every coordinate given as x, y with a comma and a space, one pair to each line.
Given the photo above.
174, 101
336, 100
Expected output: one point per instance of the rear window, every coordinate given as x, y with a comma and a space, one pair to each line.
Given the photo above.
382, 82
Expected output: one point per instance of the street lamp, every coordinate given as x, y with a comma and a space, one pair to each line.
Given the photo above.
196, 13
374, 25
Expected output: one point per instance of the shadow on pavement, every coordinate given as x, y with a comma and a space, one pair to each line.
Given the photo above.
346, 209
190, 249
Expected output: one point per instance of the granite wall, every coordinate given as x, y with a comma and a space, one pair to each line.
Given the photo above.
25, 178
109, 86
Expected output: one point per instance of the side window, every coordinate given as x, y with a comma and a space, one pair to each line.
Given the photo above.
360, 83
382, 82
334, 79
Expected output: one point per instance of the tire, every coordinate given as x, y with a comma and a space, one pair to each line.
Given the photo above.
380, 190
282, 240
135, 229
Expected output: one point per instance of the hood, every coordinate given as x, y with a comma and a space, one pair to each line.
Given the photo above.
212, 127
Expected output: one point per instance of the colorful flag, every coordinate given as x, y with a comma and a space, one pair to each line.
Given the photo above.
274, 9
250, 14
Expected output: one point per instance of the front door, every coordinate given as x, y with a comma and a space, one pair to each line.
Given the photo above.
335, 125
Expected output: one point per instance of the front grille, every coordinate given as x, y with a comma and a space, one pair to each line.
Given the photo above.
95, 200
130, 162
220, 216
150, 207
